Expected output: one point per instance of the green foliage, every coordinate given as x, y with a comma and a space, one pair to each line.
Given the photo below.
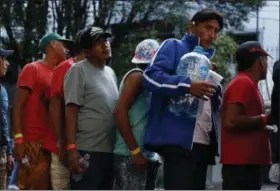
25, 22
225, 47
235, 12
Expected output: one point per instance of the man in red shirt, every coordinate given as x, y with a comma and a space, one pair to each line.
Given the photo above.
31, 115
55, 139
245, 142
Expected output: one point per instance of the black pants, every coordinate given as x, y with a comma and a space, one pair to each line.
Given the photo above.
241, 177
152, 172
99, 175
201, 157
184, 169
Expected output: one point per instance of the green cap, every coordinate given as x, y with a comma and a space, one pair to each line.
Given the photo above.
45, 40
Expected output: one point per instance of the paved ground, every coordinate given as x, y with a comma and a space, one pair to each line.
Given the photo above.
218, 186
217, 180
269, 187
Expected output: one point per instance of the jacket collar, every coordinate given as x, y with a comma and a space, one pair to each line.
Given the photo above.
193, 40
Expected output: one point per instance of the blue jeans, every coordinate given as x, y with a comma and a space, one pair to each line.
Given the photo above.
13, 179
99, 175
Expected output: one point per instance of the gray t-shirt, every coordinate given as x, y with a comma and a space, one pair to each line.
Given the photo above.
95, 91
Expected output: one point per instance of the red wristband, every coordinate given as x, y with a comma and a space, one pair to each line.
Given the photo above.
264, 119
70, 147
19, 140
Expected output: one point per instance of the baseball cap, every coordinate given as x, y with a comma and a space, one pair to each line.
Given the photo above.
77, 47
92, 34
250, 51
206, 15
78, 37
6, 53
45, 40
145, 51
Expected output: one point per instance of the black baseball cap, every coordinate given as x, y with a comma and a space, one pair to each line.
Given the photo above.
90, 35
248, 52
206, 15
6, 53
77, 47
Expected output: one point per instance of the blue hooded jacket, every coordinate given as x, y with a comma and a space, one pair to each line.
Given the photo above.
164, 128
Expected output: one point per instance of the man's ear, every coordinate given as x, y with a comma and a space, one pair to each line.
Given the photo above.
86, 52
191, 27
53, 43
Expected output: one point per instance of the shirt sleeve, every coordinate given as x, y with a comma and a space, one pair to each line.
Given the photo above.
4, 110
56, 88
27, 77
159, 76
240, 92
74, 84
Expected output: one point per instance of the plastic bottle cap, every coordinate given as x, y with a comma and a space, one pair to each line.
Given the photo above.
87, 157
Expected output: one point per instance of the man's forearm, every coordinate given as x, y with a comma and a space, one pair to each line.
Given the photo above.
247, 123
126, 130
20, 99
57, 117
71, 118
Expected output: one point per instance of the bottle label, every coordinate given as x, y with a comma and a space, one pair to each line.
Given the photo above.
203, 72
196, 67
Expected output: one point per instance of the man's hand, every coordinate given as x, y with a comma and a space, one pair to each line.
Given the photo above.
270, 118
202, 90
19, 151
10, 162
73, 161
139, 162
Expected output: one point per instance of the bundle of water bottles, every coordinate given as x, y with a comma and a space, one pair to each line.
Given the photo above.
196, 66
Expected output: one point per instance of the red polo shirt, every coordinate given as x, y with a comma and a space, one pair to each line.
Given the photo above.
251, 147
56, 89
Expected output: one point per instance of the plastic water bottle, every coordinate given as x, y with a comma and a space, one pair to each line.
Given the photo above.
25, 161
274, 173
194, 65
84, 165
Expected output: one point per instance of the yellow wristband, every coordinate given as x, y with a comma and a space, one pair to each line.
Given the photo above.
135, 152
19, 135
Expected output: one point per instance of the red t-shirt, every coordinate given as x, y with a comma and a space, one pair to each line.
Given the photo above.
58, 78
56, 89
37, 77
251, 147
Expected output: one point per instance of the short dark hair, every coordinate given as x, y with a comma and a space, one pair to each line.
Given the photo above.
77, 44
245, 65
206, 15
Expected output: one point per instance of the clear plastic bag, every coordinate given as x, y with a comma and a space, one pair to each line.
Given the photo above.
274, 173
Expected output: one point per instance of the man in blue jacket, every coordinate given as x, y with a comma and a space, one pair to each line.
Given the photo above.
169, 134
